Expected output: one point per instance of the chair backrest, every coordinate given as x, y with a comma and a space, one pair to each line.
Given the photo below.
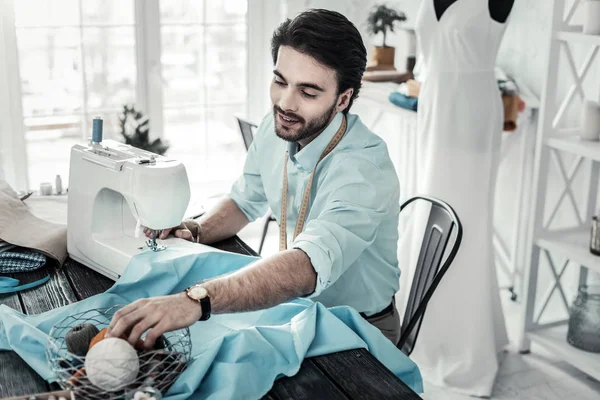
247, 130
429, 271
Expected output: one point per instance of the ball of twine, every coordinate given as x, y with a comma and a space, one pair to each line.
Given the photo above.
79, 337
112, 364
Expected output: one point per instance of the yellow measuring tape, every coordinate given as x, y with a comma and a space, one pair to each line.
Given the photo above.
306, 197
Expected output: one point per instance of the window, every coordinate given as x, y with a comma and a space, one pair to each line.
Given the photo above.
79, 59
204, 63
76, 61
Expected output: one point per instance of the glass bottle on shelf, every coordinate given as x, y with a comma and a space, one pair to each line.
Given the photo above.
584, 319
595, 236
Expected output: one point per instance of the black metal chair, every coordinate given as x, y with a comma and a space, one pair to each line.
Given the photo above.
247, 129
441, 222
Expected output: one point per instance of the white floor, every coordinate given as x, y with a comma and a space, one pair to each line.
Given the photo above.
534, 376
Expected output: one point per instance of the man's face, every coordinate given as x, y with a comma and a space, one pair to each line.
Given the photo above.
304, 96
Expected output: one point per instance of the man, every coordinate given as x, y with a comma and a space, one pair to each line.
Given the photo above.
344, 249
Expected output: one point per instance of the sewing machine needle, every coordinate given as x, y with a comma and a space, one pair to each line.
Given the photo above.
151, 243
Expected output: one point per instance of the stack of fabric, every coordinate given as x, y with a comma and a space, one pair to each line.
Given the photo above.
20, 227
406, 95
19, 259
26, 241
14, 259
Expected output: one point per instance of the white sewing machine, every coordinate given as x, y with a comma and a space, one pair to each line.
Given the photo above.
113, 189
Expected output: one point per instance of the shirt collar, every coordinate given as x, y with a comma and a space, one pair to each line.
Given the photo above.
309, 155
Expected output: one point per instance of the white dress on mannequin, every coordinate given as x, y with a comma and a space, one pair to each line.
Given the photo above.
459, 132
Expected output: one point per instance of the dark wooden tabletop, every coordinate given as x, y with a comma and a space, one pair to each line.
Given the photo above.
353, 374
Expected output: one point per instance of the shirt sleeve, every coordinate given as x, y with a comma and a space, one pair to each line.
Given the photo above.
353, 198
248, 191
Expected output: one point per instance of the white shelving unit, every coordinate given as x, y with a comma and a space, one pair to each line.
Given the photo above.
574, 145
553, 339
572, 244
578, 37
554, 145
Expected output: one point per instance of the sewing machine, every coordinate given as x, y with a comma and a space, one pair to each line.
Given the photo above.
114, 190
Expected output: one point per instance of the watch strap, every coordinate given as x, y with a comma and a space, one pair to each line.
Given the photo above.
205, 306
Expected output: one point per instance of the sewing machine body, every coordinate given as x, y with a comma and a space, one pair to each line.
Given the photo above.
112, 188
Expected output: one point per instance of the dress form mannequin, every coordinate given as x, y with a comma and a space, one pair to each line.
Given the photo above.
459, 131
499, 9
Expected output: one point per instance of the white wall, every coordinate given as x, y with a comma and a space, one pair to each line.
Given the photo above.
357, 11
263, 17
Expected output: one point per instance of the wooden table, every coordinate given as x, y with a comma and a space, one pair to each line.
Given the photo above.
353, 374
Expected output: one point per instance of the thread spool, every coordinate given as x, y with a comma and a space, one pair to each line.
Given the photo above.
58, 184
79, 337
97, 130
590, 129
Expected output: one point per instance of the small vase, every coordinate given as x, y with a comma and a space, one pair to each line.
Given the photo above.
595, 236
590, 119
584, 319
383, 56
591, 13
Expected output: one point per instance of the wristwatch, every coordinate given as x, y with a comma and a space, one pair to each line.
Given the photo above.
199, 293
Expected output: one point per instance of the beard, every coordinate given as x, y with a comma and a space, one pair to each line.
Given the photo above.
306, 129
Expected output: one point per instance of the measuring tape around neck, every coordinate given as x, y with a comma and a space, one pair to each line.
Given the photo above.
306, 197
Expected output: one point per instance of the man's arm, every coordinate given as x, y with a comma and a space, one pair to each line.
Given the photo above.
223, 221
263, 284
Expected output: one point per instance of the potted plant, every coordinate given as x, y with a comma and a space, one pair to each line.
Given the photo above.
383, 19
135, 129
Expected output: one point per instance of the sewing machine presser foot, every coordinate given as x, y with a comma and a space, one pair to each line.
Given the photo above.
153, 245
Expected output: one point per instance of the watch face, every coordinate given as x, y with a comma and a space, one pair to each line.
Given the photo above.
198, 292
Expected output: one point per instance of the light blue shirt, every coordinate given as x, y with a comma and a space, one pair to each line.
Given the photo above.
351, 230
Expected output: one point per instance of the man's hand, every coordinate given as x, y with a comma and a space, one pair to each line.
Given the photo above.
181, 231
159, 314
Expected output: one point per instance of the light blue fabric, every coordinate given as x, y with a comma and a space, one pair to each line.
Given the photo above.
11, 285
401, 100
235, 356
351, 231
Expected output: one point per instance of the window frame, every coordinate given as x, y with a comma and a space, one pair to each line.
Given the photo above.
262, 16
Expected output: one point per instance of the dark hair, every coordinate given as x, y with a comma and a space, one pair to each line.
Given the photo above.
332, 40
